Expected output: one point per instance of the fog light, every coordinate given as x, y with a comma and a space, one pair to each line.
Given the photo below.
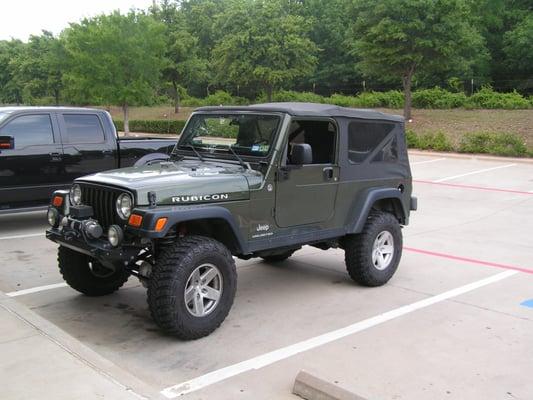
53, 217
115, 235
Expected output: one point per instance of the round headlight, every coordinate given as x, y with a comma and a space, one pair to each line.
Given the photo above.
75, 194
124, 205
53, 217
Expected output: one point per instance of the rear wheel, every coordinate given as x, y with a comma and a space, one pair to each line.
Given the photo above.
88, 276
372, 256
192, 287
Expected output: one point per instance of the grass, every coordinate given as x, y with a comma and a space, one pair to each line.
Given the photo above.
454, 124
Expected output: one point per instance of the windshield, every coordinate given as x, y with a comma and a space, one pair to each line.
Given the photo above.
246, 134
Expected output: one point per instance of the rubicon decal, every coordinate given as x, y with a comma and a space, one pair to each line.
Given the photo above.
203, 197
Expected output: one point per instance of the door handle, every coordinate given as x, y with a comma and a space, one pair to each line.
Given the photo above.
328, 173
107, 151
55, 157
283, 173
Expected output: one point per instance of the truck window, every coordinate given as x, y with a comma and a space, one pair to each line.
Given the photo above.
83, 128
320, 135
30, 130
364, 137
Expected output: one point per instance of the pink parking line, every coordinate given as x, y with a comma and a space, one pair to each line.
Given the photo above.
469, 260
489, 189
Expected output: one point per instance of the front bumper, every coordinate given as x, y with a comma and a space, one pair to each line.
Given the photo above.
96, 248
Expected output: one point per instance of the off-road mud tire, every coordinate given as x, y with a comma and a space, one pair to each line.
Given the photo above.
358, 250
74, 267
168, 281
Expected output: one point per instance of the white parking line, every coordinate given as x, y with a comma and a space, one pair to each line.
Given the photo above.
289, 351
22, 236
474, 172
36, 289
428, 161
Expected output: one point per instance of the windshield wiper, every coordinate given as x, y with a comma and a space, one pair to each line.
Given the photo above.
191, 146
245, 165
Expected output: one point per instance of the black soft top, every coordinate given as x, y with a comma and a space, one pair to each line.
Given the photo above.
308, 110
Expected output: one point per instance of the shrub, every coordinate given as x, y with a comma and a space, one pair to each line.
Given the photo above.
497, 143
221, 97
153, 126
290, 95
411, 138
437, 141
488, 98
437, 98
341, 100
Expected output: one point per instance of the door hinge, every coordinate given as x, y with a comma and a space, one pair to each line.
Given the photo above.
273, 212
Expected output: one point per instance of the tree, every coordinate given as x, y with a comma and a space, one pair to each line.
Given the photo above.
39, 68
395, 39
262, 44
518, 45
183, 66
10, 88
336, 67
115, 59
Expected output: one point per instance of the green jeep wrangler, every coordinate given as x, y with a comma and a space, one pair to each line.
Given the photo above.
254, 181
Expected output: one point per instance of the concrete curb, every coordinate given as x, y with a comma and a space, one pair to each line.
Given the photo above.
311, 387
65, 342
470, 156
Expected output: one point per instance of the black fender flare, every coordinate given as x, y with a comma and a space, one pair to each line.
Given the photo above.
151, 157
361, 210
178, 214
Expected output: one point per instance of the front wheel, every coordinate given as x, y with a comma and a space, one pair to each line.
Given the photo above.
192, 287
88, 276
372, 256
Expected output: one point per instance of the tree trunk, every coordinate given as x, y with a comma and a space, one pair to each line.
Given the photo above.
126, 112
407, 81
269, 93
176, 97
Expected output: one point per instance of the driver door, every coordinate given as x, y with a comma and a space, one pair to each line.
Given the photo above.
306, 194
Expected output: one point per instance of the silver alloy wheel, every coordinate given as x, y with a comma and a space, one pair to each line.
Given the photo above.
203, 290
383, 250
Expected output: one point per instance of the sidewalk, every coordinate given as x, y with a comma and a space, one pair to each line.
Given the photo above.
40, 361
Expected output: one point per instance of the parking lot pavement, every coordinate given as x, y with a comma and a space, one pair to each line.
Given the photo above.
450, 324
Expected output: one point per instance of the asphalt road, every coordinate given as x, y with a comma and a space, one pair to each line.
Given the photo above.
454, 322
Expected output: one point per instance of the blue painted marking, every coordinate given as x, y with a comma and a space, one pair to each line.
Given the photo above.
527, 303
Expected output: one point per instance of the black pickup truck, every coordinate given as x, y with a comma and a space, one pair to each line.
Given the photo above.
45, 149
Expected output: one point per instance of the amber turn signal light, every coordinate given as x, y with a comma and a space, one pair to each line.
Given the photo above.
57, 201
160, 224
135, 220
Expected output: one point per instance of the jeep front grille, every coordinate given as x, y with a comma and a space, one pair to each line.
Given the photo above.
102, 200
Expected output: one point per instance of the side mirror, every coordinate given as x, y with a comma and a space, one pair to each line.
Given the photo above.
301, 154
7, 142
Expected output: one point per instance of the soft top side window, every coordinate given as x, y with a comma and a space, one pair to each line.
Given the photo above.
365, 136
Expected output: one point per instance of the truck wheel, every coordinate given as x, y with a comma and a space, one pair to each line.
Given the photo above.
274, 258
192, 287
372, 256
88, 276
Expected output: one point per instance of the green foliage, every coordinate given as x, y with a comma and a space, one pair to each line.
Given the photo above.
290, 95
437, 141
394, 39
438, 98
262, 44
488, 98
221, 97
152, 126
412, 139
501, 144
10, 86
518, 43
114, 59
